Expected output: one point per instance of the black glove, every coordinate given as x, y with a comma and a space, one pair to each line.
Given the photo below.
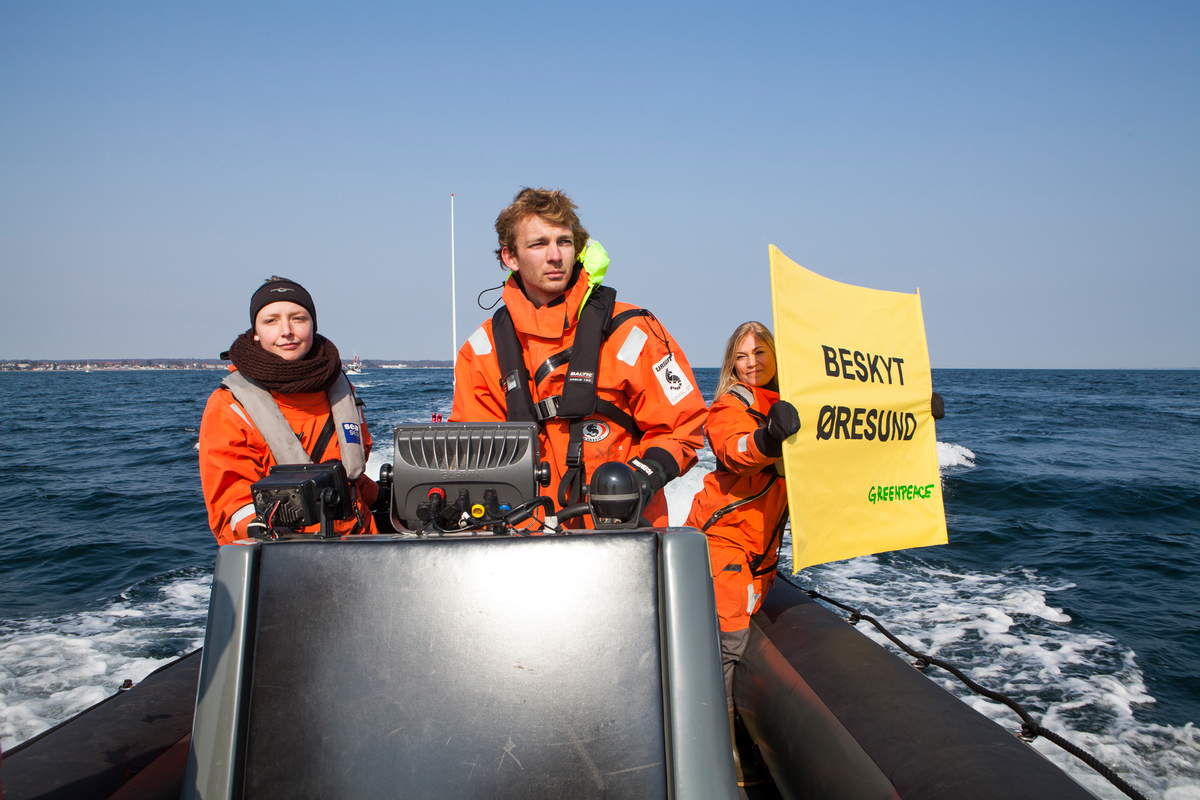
937, 406
650, 477
782, 421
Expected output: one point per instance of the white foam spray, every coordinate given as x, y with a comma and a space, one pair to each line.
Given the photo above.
52, 668
954, 455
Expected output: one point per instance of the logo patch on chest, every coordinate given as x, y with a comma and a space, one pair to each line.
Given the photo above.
595, 431
352, 432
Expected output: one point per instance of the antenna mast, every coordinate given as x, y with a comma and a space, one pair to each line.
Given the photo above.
453, 304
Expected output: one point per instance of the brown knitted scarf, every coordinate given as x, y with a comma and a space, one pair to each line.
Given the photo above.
316, 372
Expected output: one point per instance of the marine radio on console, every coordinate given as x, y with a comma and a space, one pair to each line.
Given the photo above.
295, 496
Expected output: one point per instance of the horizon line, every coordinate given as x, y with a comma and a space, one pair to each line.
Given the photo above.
218, 361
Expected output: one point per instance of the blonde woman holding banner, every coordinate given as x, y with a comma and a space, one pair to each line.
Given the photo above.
742, 507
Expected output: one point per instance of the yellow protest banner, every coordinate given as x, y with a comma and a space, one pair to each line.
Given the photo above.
862, 473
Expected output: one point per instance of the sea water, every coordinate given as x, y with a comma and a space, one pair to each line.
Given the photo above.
1072, 500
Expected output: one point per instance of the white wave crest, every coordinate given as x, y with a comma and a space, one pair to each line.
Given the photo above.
53, 668
954, 455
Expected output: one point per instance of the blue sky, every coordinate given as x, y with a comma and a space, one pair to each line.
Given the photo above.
1033, 168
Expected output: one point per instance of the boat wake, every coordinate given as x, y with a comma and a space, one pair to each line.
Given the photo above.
53, 668
1001, 630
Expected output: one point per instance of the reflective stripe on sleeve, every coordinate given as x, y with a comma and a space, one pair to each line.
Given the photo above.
239, 515
744, 443
632, 348
238, 410
479, 342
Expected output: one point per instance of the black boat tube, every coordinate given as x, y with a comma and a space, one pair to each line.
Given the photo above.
837, 716
111, 744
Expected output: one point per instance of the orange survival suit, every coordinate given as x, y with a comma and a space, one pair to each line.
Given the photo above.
233, 455
642, 378
742, 508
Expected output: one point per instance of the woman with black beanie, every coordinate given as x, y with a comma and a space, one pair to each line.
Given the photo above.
285, 401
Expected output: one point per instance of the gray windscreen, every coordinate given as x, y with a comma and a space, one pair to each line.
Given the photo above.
487, 668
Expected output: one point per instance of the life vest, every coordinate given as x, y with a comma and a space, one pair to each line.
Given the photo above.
578, 399
257, 401
756, 568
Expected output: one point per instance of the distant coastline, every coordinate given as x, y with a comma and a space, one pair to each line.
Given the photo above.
128, 364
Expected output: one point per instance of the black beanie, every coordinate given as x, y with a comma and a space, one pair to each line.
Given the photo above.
285, 290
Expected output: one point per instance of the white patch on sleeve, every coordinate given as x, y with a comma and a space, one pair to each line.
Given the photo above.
480, 342
239, 515
632, 348
751, 598
744, 443
674, 382
238, 410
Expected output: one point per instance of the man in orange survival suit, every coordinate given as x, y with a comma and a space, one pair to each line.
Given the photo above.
604, 379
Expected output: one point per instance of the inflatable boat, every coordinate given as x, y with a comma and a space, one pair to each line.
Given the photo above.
477, 662
576, 666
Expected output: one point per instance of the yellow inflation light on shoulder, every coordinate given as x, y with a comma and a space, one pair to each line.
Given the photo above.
595, 260
862, 473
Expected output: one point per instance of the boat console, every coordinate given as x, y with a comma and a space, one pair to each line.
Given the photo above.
565, 666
